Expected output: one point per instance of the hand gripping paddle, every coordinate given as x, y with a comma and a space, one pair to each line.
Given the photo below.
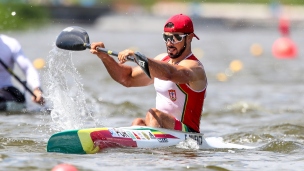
76, 39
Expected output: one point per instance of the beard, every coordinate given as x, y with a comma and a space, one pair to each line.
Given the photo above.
179, 52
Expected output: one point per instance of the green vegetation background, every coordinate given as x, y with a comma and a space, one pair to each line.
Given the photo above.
20, 16
35, 14
150, 2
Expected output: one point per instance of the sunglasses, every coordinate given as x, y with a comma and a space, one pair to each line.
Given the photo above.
173, 38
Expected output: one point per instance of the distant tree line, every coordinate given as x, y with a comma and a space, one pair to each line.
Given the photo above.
18, 16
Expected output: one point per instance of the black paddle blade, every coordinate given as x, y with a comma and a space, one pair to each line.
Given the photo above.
73, 38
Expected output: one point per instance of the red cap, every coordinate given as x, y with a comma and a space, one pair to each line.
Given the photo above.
182, 23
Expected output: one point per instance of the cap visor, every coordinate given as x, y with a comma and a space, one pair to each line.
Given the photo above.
196, 36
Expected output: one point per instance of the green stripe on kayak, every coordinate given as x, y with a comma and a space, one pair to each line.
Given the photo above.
65, 142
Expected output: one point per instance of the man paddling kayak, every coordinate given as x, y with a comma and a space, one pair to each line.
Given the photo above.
178, 76
11, 53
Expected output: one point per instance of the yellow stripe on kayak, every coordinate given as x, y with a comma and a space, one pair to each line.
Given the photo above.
157, 132
86, 140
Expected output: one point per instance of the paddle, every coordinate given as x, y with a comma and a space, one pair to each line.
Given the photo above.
76, 39
17, 78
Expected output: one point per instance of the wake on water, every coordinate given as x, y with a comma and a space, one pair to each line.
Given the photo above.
64, 92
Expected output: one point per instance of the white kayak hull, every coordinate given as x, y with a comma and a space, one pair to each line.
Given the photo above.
93, 140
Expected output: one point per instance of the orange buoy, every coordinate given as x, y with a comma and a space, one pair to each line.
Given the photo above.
284, 48
256, 49
236, 66
221, 77
39, 63
64, 167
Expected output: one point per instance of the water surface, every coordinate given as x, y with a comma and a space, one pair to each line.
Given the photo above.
259, 106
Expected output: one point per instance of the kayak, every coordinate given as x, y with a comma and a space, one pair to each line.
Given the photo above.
94, 140
11, 106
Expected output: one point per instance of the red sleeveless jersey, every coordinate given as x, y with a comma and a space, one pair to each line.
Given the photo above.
180, 100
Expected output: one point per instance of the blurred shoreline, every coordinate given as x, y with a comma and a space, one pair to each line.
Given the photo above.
20, 15
208, 14
152, 23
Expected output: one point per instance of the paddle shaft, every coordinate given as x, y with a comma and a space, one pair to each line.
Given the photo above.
138, 58
109, 52
15, 76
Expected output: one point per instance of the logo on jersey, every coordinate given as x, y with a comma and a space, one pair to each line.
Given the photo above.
172, 94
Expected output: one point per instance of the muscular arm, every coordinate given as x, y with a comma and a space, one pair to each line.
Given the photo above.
187, 72
123, 74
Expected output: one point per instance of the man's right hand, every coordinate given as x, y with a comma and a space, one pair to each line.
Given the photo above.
94, 50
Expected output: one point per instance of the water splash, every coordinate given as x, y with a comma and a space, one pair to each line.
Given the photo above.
64, 91
189, 143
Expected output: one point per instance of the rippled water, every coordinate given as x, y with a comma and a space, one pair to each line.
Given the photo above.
260, 106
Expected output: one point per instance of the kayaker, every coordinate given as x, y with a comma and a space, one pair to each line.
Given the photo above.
11, 54
178, 76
